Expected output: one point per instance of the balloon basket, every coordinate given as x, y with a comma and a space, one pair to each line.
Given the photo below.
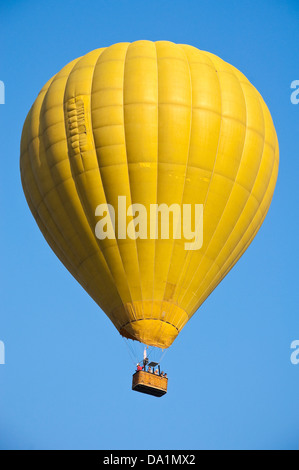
149, 383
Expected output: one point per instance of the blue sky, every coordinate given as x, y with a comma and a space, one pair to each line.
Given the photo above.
67, 378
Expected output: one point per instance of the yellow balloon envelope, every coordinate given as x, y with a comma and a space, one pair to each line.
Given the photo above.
150, 124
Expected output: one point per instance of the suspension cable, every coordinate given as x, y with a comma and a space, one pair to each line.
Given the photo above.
131, 352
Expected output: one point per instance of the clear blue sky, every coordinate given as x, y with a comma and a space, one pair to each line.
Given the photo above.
66, 381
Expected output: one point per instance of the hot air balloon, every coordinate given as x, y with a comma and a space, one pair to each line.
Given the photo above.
141, 124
